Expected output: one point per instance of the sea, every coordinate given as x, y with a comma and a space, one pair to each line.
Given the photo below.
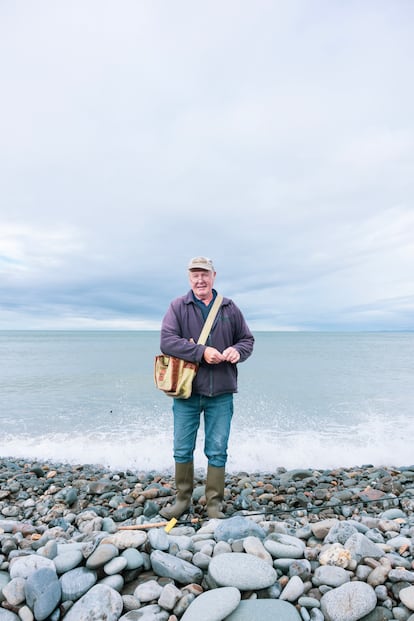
317, 400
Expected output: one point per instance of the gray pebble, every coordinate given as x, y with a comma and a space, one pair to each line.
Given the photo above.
100, 602
243, 571
331, 576
14, 591
148, 591
104, 552
67, 560
170, 566
43, 592
213, 605
116, 582
265, 610
335, 603
134, 558
115, 566
76, 582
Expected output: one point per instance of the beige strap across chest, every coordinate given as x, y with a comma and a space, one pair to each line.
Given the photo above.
210, 320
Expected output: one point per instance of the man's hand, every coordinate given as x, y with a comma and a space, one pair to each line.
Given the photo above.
231, 355
213, 356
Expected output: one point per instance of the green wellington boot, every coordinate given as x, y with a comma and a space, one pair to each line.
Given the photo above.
184, 481
215, 491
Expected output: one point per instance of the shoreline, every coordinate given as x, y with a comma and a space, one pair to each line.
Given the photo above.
125, 495
54, 463
282, 482
317, 539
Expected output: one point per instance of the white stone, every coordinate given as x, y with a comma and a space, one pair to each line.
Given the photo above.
100, 602
24, 566
8, 615
293, 590
284, 546
171, 566
321, 528
243, 571
399, 542
335, 554
104, 553
330, 575
124, 539
25, 614
14, 591
169, 596
407, 597
148, 591
115, 566
158, 539
76, 582
116, 582
135, 558
199, 544
67, 560
349, 602
264, 610
152, 612
201, 560
183, 542
213, 605
221, 547
254, 545
361, 547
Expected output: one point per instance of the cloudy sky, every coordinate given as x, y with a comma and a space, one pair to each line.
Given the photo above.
276, 137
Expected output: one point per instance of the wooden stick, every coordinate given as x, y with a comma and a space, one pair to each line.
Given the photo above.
143, 526
170, 523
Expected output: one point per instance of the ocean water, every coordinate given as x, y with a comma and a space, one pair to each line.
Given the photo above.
306, 400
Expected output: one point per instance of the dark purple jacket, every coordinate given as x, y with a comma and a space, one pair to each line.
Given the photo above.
183, 321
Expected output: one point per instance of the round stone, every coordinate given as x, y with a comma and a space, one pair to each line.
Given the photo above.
100, 602
330, 575
134, 558
293, 590
104, 553
170, 566
124, 539
14, 591
115, 566
148, 591
76, 582
335, 604
284, 546
265, 610
67, 560
213, 605
24, 566
407, 597
243, 571
43, 592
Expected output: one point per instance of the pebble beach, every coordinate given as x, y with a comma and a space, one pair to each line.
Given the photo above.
84, 543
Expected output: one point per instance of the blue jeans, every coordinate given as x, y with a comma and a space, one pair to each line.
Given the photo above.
218, 412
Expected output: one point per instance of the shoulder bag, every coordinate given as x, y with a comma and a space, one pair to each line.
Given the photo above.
175, 376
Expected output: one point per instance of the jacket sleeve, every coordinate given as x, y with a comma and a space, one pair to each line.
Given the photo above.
172, 341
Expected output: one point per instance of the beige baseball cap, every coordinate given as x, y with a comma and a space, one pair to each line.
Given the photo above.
201, 263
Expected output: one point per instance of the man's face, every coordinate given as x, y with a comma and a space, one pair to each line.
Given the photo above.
201, 282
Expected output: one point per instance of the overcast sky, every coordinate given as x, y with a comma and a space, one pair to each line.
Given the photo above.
276, 137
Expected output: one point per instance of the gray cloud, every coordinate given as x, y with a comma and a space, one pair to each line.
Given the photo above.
276, 138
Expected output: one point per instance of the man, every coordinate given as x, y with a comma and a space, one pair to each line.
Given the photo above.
230, 342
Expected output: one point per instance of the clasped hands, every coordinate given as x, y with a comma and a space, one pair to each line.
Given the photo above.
214, 356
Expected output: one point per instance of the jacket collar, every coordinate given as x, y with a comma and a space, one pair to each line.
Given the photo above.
188, 299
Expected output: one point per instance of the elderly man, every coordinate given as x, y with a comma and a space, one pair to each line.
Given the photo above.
230, 341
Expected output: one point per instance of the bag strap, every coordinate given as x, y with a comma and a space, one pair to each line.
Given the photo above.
210, 320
